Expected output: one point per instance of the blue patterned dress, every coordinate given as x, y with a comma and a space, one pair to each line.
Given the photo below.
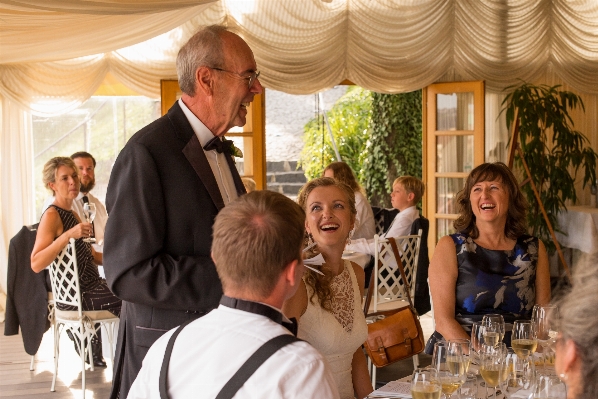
493, 281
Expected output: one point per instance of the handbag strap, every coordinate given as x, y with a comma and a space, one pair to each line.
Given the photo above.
238, 379
393, 244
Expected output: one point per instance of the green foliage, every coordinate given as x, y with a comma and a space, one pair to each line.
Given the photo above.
394, 146
552, 148
349, 119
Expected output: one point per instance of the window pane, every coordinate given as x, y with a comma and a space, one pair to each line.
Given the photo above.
444, 227
100, 126
447, 189
454, 111
454, 154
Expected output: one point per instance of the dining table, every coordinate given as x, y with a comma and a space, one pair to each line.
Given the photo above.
401, 388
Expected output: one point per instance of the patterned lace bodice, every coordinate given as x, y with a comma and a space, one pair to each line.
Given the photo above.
343, 303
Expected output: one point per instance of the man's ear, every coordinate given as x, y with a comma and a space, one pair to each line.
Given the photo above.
291, 273
204, 80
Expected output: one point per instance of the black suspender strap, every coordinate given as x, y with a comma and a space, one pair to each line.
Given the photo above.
238, 379
166, 360
253, 363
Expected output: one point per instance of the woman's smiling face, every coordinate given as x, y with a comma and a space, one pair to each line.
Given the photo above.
329, 219
489, 200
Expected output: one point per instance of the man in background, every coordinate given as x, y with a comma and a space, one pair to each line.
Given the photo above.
166, 187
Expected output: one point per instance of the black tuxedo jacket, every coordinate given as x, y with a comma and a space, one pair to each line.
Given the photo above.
162, 199
26, 293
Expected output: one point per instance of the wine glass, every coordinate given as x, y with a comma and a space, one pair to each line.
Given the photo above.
425, 384
439, 356
492, 368
520, 372
469, 389
449, 382
549, 386
494, 329
456, 347
89, 211
477, 336
523, 339
544, 319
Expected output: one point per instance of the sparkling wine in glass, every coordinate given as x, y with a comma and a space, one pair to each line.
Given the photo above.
520, 373
493, 367
523, 340
89, 211
425, 384
494, 329
458, 355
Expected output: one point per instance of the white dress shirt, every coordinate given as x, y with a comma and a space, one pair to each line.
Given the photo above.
211, 349
99, 222
400, 226
217, 161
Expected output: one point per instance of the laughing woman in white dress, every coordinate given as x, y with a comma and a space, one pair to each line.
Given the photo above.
329, 307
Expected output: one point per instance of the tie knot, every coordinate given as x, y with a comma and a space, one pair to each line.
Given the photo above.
220, 145
85, 199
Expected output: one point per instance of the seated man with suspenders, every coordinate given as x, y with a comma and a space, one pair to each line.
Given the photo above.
246, 347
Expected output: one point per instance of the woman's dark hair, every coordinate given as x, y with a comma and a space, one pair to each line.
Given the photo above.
515, 225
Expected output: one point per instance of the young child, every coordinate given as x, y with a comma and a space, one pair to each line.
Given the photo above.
407, 191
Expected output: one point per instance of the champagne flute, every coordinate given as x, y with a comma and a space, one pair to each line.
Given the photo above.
523, 338
544, 319
449, 383
89, 211
492, 367
425, 384
494, 329
520, 373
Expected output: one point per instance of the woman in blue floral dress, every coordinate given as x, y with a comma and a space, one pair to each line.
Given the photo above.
491, 265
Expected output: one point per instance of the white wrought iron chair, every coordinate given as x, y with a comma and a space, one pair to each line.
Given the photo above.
64, 276
387, 285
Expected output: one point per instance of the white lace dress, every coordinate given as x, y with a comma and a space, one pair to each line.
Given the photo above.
339, 333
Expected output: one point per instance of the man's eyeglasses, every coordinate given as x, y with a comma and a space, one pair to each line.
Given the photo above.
251, 78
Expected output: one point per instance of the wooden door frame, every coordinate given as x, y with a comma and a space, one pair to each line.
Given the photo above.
429, 143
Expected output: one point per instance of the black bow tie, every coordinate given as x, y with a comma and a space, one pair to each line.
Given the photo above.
219, 145
85, 199
261, 309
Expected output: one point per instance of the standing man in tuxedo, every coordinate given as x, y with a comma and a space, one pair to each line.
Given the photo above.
86, 165
165, 190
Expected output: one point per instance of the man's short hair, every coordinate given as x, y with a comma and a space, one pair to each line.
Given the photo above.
255, 238
204, 48
83, 154
412, 185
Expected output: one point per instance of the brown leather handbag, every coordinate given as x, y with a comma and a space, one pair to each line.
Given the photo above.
398, 335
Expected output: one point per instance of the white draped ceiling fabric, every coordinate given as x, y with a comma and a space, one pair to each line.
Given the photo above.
63, 49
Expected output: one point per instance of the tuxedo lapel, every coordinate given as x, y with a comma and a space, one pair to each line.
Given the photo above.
197, 158
236, 177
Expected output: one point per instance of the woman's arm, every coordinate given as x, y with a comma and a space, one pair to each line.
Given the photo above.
46, 248
443, 274
297, 304
542, 276
362, 385
98, 257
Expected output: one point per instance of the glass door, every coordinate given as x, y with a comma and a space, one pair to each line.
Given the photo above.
453, 146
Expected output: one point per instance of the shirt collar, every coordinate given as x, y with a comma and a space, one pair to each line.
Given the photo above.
201, 131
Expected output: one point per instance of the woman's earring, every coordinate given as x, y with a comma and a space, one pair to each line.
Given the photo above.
350, 236
563, 377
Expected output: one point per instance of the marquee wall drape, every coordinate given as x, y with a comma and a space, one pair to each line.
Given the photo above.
63, 49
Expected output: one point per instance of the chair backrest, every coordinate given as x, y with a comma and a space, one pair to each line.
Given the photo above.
388, 284
422, 300
383, 218
64, 276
